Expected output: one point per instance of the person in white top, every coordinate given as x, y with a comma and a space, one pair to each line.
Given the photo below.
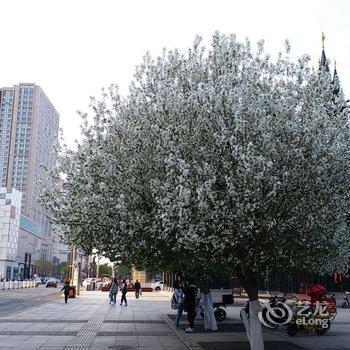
179, 302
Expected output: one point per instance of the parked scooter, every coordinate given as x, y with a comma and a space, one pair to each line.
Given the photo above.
280, 314
308, 319
346, 301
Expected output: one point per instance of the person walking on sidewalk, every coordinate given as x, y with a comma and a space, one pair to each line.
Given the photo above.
178, 299
137, 287
113, 292
124, 290
66, 288
190, 304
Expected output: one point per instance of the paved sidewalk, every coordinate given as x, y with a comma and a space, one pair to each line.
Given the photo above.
89, 322
231, 335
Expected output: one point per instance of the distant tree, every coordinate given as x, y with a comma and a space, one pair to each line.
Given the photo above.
123, 270
44, 267
105, 269
62, 269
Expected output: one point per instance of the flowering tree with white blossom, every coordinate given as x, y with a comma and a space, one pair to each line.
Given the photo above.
217, 161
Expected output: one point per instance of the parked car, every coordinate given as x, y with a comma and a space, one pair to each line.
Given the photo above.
89, 283
157, 278
51, 283
54, 279
157, 286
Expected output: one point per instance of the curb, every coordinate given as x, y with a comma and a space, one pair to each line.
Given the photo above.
182, 336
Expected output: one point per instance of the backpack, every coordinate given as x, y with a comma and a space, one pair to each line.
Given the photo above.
174, 304
124, 288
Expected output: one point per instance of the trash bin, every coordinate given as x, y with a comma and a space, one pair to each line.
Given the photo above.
72, 292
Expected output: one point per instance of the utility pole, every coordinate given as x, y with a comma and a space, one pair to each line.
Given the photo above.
71, 263
79, 278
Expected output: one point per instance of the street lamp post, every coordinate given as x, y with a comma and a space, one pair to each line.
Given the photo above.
71, 264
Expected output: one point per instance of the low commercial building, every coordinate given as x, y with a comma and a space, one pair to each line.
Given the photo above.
29, 247
20, 238
10, 211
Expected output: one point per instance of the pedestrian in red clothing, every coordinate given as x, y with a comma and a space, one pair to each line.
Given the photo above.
316, 292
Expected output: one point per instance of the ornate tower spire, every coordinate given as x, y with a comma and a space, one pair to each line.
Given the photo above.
323, 38
324, 63
336, 82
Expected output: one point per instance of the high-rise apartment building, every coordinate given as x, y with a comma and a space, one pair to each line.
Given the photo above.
28, 131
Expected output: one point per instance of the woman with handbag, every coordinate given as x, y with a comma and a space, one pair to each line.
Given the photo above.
177, 302
113, 292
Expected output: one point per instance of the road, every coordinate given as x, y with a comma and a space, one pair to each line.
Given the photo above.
15, 300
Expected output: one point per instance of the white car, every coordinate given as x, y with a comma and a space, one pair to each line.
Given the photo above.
90, 281
53, 279
157, 286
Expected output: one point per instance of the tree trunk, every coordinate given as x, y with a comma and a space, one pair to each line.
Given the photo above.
208, 308
252, 323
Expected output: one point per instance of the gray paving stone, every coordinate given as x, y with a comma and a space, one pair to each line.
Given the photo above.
139, 325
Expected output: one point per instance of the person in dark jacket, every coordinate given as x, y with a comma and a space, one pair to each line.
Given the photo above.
124, 290
137, 287
190, 304
66, 288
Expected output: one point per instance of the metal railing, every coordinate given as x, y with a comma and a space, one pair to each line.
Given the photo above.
4, 285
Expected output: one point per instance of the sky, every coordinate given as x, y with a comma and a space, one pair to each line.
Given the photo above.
73, 48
